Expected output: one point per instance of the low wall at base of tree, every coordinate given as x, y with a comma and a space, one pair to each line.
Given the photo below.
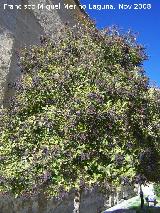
91, 202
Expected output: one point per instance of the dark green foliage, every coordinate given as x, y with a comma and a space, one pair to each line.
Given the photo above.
157, 189
83, 114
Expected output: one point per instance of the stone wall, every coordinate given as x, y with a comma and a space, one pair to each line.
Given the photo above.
6, 48
24, 27
91, 202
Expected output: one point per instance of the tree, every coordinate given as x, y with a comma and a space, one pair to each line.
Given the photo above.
150, 156
157, 189
80, 113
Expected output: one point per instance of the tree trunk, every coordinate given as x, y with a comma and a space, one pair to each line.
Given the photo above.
117, 196
77, 201
142, 197
110, 200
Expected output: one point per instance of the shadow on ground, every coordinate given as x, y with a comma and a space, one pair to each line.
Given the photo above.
150, 209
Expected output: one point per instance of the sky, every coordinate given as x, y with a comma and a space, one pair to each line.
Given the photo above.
144, 22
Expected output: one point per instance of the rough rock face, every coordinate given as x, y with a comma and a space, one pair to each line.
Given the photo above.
20, 27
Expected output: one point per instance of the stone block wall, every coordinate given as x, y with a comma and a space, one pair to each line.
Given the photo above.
91, 202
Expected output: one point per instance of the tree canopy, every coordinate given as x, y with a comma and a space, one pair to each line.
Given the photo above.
83, 114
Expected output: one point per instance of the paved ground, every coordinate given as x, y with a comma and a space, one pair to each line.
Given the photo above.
125, 206
146, 210
122, 211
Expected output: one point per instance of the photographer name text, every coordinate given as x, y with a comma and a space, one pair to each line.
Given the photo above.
98, 7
